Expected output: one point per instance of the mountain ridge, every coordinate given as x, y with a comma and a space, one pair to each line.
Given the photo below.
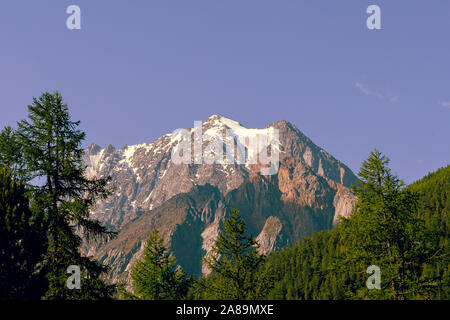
307, 194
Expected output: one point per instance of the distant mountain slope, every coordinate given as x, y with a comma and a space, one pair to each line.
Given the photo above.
188, 202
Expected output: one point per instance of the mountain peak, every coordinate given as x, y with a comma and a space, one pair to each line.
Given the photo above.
214, 117
94, 149
189, 200
284, 125
219, 120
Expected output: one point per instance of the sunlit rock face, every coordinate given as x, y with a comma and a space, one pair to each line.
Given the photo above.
187, 203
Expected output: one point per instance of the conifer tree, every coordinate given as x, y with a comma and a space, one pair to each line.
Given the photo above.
52, 151
237, 267
384, 230
156, 275
22, 243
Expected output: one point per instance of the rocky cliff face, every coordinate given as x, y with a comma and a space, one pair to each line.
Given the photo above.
188, 202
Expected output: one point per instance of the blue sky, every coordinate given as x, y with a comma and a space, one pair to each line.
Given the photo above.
139, 69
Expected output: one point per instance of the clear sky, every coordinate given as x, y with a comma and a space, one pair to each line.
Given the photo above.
142, 68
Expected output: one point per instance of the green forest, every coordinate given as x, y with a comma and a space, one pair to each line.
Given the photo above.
316, 268
394, 246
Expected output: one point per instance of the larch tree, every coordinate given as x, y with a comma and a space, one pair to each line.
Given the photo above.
52, 152
384, 231
236, 266
156, 275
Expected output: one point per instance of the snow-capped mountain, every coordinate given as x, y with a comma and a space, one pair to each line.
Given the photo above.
188, 201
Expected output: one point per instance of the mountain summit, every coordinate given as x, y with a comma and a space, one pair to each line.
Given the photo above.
187, 202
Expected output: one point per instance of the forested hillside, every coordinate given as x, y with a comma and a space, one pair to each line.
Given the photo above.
315, 267
435, 210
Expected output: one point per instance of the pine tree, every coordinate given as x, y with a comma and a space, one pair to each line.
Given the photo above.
236, 265
22, 243
52, 151
384, 230
156, 275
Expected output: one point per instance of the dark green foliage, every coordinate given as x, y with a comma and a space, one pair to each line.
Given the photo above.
237, 269
309, 271
156, 275
51, 146
22, 243
412, 222
385, 230
434, 209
